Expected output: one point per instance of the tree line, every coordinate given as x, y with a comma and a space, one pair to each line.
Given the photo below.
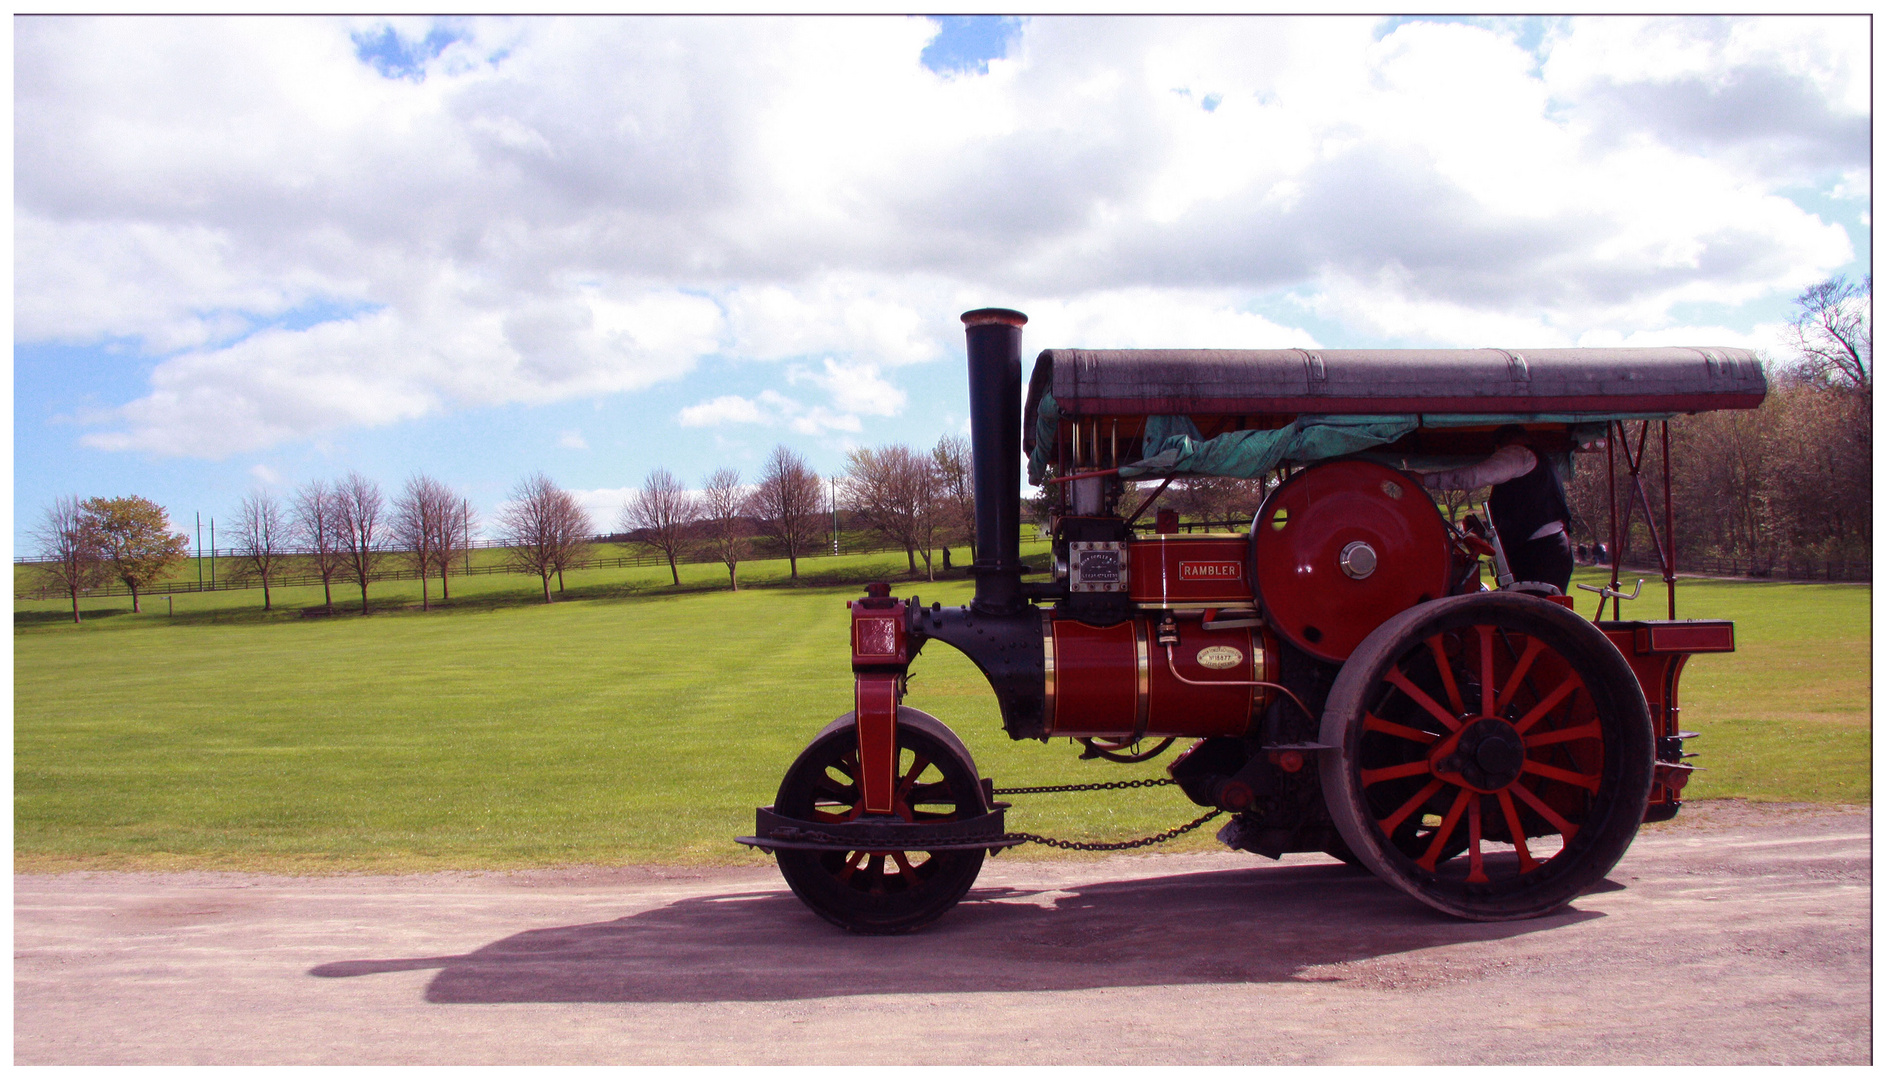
918, 501
348, 531
1790, 481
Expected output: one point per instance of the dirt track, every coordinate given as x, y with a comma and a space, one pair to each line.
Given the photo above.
1740, 936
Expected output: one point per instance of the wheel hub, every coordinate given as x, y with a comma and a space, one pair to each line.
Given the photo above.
1486, 755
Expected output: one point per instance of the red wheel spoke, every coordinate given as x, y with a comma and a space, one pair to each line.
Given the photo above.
900, 800
851, 864
904, 869
1448, 823
1476, 872
1547, 703
1373, 723
1534, 648
837, 792
1447, 674
1401, 682
1587, 730
1487, 669
1566, 828
1589, 781
1377, 776
928, 794
918, 764
1519, 835
1389, 823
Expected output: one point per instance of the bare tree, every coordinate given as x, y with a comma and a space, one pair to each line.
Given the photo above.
890, 489
75, 559
455, 537
576, 530
138, 544
723, 509
955, 494
317, 530
665, 513
359, 513
1833, 330
423, 517
543, 528
786, 504
262, 540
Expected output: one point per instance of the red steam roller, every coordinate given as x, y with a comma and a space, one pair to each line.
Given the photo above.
1348, 681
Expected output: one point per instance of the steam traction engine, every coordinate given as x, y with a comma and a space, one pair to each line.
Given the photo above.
1353, 686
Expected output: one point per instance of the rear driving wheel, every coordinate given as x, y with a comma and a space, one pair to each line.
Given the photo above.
1495, 755
881, 892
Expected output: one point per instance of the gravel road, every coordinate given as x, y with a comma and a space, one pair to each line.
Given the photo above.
1736, 935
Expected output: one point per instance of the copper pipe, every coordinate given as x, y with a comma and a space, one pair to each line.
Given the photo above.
1174, 669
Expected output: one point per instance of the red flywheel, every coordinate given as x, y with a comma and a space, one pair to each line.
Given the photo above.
1340, 548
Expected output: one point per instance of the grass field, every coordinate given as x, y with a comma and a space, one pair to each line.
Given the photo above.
636, 722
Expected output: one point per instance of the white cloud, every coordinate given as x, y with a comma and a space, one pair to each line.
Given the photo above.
604, 505
297, 244
769, 409
855, 387
572, 440
726, 409
265, 474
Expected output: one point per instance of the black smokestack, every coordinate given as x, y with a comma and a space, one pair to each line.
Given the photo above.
995, 347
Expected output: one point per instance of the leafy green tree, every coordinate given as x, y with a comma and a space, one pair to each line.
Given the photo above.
134, 534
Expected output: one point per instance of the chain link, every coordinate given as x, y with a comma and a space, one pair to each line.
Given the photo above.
1077, 845
1067, 845
1114, 785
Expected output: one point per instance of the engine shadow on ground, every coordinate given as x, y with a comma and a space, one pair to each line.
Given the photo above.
1264, 924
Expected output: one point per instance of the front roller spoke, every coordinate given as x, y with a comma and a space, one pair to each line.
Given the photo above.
845, 794
905, 870
932, 794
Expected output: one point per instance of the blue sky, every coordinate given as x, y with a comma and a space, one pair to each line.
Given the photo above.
253, 252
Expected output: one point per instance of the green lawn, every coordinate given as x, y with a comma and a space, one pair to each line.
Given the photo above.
640, 723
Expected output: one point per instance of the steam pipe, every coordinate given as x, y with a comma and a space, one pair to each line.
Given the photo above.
995, 353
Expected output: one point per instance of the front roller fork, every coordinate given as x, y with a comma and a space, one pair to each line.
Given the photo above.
882, 823
881, 654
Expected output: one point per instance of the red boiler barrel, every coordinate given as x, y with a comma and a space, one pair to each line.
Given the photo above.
1118, 681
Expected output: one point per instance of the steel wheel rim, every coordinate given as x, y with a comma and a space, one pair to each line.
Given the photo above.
1481, 741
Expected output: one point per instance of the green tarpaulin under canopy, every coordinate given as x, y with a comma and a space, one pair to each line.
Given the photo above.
1173, 445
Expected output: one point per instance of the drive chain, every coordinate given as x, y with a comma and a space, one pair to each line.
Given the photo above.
1070, 845
1110, 786
1079, 845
